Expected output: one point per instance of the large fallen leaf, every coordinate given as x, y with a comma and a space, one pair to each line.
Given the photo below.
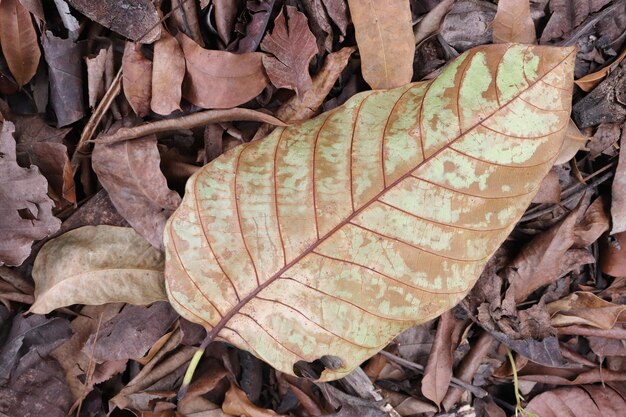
18, 40
97, 265
25, 208
386, 42
583, 401
328, 238
130, 173
293, 46
168, 71
220, 79
513, 22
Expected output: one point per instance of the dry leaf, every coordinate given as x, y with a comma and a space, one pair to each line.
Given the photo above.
97, 265
583, 401
590, 81
468, 24
299, 109
259, 13
618, 190
567, 15
384, 34
130, 173
25, 208
513, 23
574, 141
384, 210
614, 256
587, 309
137, 21
431, 22
225, 14
237, 403
550, 189
438, 372
137, 79
96, 66
293, 46
168, 71
219, 79
65, 70
19, 41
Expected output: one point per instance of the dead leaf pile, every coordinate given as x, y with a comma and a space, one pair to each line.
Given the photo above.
108, 107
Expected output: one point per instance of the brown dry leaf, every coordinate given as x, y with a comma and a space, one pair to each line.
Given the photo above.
96, 66
52, 160
614, 256
384, 34
293, 46
438, 372
337, 10
583, 401
185, 17
604, 140
168, 71
547, 257
550, 189
97, 265
587, 309
574, 141
137, 78
38, 391
618, 190
258, 13
319, 21
131, 333
18, 40
299, 109
468, 24
513, 23
225, 14
237, 403
219, 79
137, 21
567, 15
432, 21
25, 208
130, 173
590, 81
65, 70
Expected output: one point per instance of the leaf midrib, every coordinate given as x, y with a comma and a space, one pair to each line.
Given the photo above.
226, 318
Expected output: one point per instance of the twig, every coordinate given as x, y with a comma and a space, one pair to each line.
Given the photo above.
187, 122
95, 119
478, 392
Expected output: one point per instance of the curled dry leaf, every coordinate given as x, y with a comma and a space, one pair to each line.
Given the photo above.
219, 79
25, 208
513, 23
130, 173
18, 40
293, 46
137, 20
432, 21
137, 78
384, 34
574, 141
590, 81
583, 401
404, 193
97, 265
168, 71
236, 403
587, 309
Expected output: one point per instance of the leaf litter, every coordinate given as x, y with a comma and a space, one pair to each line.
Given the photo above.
556, 284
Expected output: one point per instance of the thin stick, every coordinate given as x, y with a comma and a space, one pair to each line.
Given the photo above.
478, 392
187, 122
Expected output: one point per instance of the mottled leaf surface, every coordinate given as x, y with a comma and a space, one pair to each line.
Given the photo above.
330, 237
